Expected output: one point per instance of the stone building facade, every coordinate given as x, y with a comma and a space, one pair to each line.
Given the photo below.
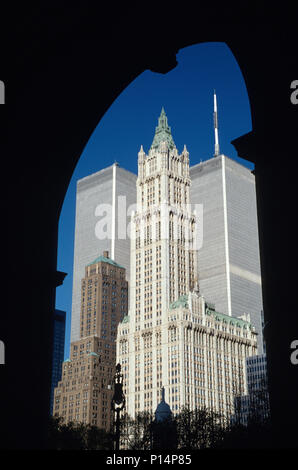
85, 391
171, 336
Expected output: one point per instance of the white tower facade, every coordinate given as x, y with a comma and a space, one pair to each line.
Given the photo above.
167, 339
229, 260
101, 199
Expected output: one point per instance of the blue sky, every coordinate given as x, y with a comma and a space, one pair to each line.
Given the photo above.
186, 93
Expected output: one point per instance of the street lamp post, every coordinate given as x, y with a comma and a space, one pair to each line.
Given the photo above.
118, 403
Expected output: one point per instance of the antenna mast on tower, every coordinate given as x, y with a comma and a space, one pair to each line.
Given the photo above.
215, 121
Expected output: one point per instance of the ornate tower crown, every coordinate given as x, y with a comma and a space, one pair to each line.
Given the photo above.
162, 132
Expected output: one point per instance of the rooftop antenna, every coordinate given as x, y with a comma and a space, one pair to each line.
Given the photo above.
215, 120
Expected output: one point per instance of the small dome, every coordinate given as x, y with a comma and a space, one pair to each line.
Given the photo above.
163, 410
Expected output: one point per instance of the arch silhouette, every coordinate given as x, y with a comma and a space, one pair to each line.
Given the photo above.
53, 103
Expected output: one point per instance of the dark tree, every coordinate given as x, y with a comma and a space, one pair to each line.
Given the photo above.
77, 436
200, 428
164, 434
135, 433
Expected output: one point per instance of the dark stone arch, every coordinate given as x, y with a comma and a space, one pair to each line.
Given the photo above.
62, 71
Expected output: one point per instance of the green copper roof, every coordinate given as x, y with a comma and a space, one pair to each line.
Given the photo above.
93, 354
228, 319
181, 302
162, 132
105, 260
125, 319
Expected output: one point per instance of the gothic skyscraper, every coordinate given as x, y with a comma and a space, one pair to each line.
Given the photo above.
162, 254
171, 337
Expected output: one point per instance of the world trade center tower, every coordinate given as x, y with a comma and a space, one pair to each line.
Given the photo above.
103, 203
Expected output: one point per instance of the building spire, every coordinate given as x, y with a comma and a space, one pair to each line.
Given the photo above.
215, 121
163, 132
